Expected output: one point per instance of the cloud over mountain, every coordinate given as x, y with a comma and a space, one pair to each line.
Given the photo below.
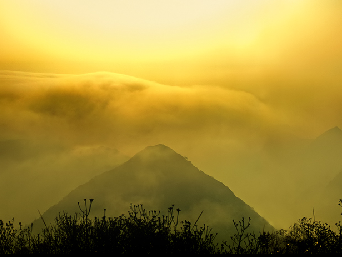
104, 106
235, 134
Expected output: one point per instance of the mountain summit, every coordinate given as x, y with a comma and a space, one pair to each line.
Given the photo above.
158, 177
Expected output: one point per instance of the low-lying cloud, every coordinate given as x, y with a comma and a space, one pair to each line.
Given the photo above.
104, 107
229, 133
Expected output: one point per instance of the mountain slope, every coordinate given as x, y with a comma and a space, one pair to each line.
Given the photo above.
35, 174
158, 177
322, 165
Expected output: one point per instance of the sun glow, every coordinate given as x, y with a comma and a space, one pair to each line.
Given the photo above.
114, 34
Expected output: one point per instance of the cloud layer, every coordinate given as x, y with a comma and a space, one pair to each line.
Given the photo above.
104, 107
230, 92
231, 134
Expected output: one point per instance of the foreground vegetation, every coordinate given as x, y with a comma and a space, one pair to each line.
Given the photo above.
150, 232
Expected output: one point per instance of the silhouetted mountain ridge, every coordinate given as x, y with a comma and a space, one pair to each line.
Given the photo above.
158, 177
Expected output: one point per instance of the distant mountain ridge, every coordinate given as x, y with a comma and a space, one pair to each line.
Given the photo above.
329, 194
332, 133
323, 158
158, 177
330, 141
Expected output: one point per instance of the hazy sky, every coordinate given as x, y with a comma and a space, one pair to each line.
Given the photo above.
286, 53
210, 79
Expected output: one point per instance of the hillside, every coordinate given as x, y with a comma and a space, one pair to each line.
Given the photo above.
299, 172
322, 165
158, 177
35, 174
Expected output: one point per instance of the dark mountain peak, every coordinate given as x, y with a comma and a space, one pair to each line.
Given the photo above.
158, 148
158, 177
157, 153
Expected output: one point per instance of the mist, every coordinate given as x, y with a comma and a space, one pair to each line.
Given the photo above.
58, 131
245, 91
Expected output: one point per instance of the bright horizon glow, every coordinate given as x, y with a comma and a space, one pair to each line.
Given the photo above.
102, 36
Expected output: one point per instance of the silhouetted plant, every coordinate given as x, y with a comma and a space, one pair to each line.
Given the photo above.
242, 242
139, 232
150, 232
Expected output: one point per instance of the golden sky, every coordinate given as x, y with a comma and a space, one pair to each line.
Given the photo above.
208, 78
285, 53
177, 40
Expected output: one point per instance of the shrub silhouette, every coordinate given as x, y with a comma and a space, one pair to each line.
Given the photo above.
150, 232
139, 232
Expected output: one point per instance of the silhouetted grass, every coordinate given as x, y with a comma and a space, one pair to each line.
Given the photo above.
150, 232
